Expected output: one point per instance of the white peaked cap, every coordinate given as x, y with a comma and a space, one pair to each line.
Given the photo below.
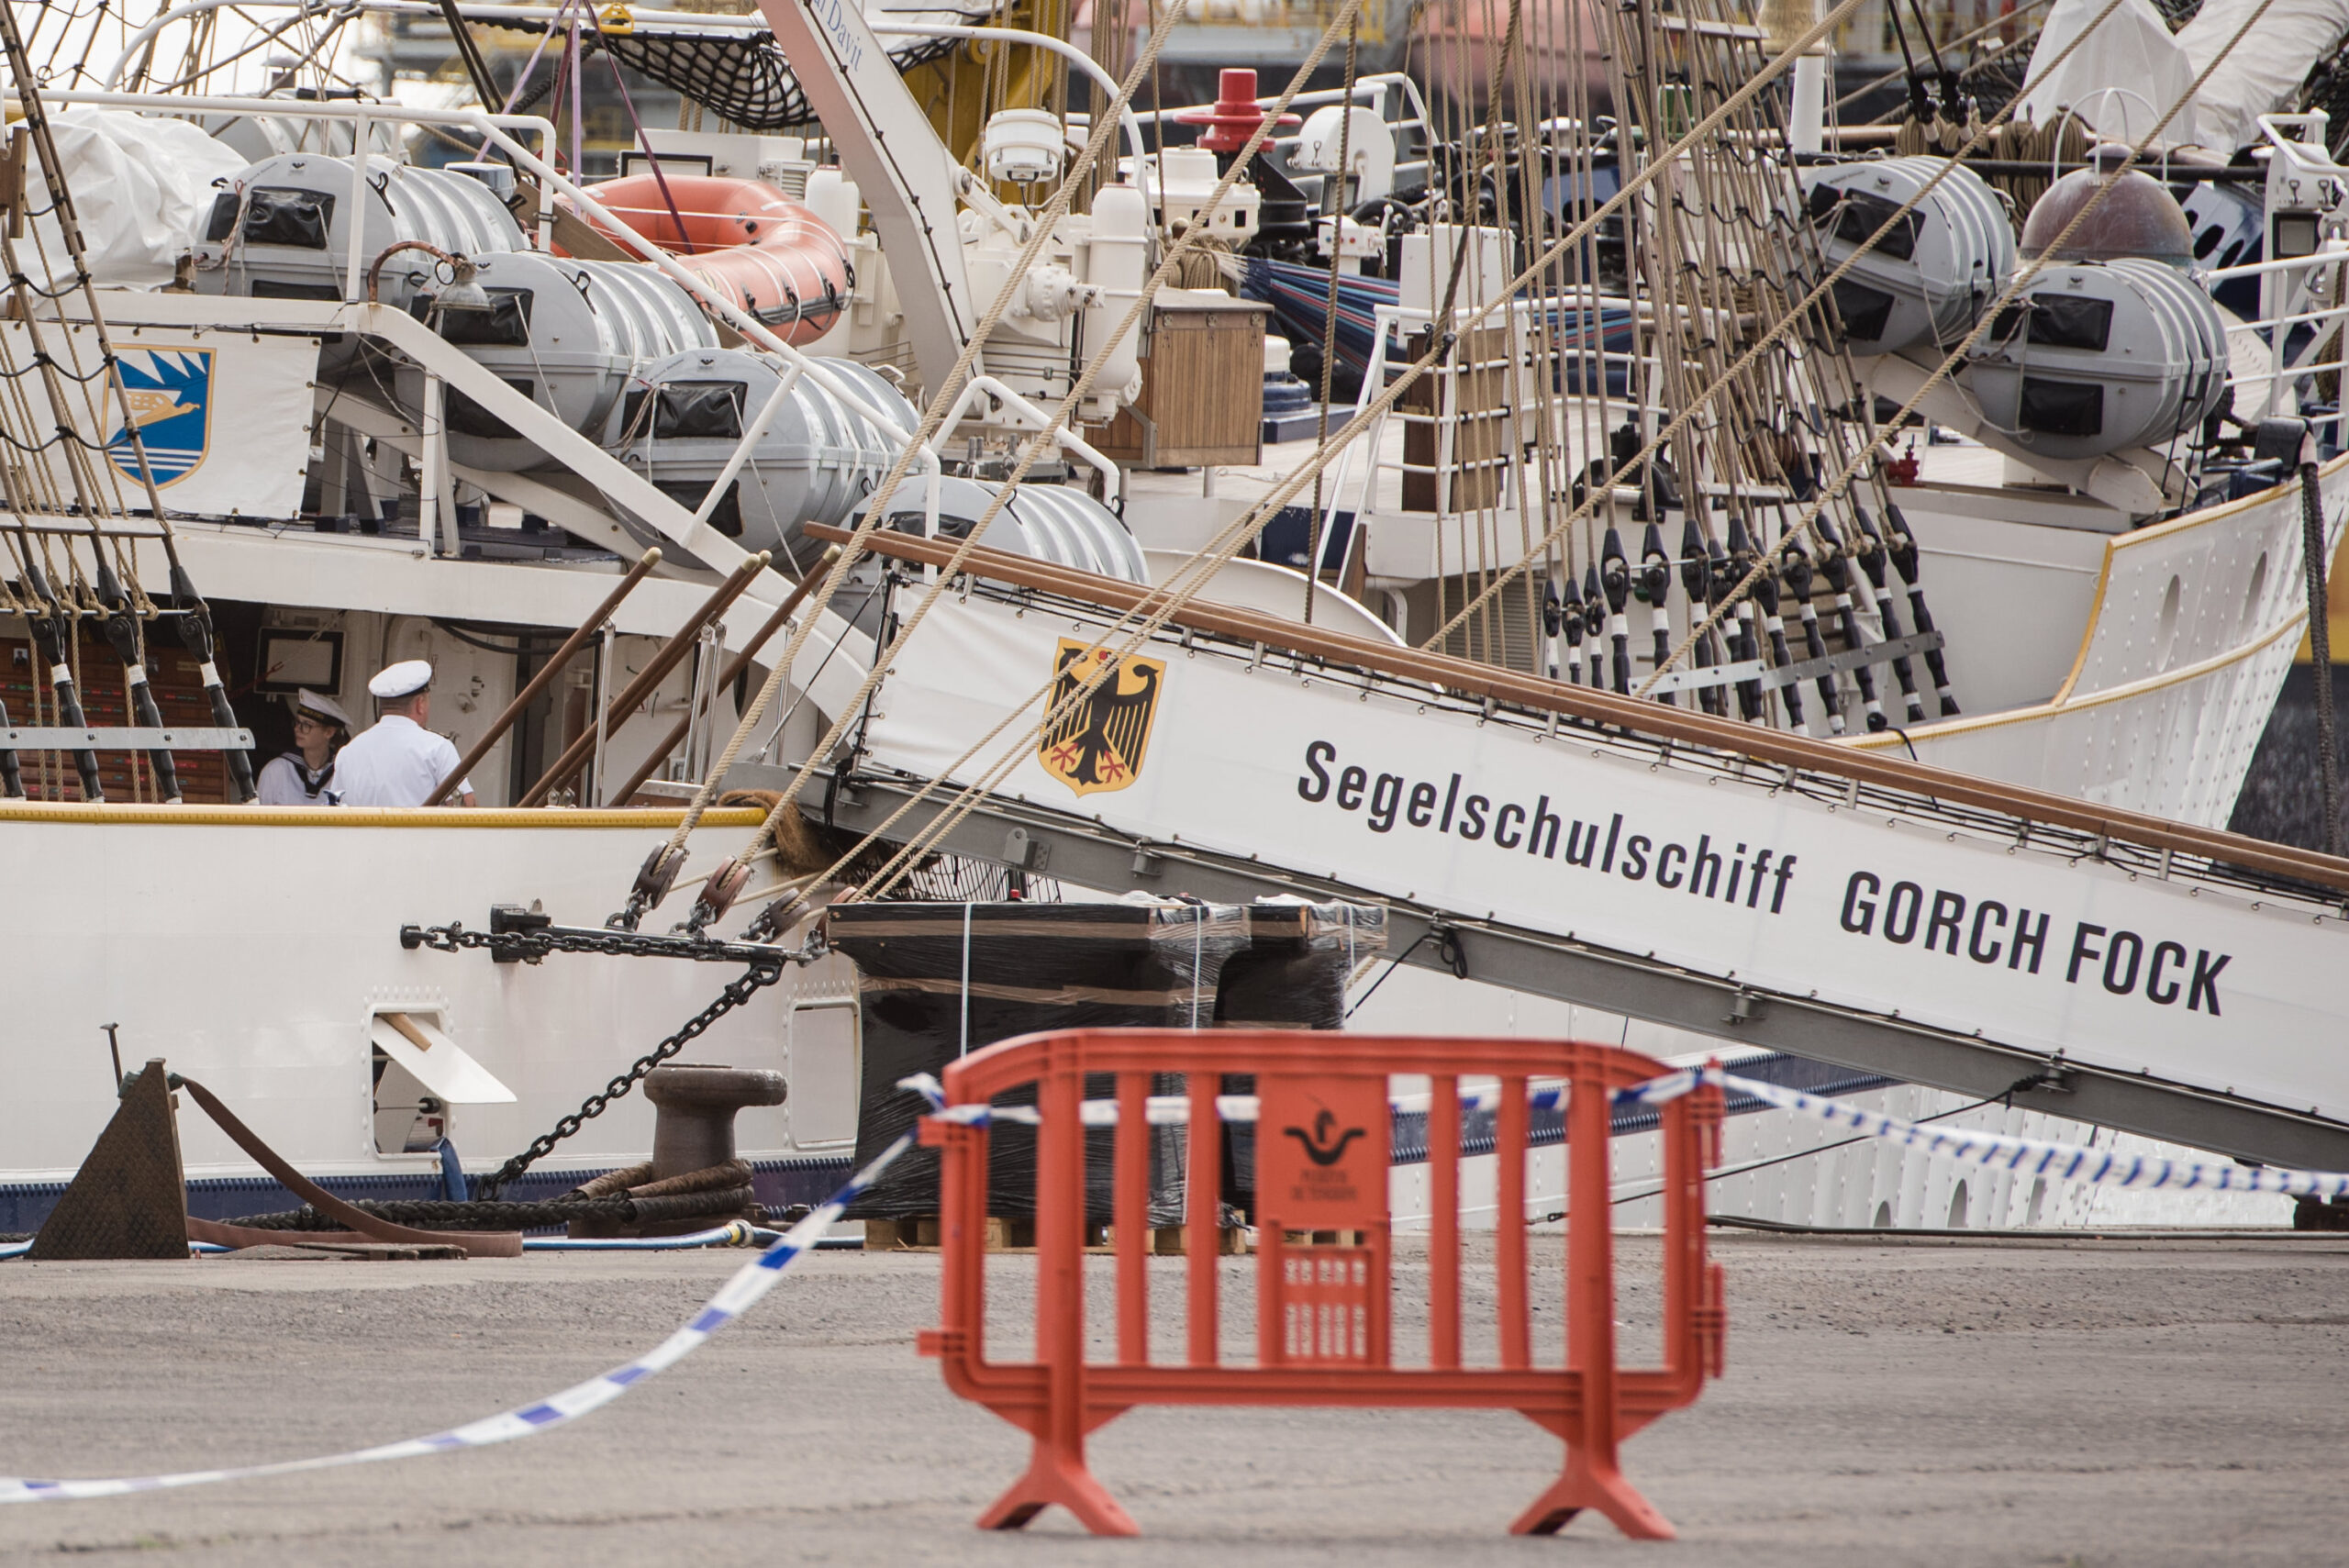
404, 679
322, 705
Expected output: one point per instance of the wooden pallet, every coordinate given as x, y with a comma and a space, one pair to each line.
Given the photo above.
1173, 1241
920, 1234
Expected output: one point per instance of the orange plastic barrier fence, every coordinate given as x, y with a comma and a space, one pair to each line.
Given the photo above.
1324, 1313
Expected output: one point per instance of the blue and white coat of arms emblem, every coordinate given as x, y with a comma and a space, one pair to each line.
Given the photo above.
170, 393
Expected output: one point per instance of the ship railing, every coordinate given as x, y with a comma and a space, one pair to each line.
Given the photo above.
659, 511
2297, 293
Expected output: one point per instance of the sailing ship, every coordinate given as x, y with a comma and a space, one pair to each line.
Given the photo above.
1835, 469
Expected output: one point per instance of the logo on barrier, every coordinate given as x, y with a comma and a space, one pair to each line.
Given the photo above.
1321, 1151
1100, 744
170, 393
1321, 1146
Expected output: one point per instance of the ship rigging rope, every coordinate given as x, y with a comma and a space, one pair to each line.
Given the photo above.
1197, 573
1220, 551
1247, 524
1991, 314
1794, 317
1338, 214
196, 627
876, 508
1246, 527
1168, 267
2006, 20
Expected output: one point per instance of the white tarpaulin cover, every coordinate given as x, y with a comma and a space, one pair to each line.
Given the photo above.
225, 417
2123, 80
142, 188
2261, 75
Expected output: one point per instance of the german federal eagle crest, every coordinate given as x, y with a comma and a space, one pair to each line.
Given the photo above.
1099, 743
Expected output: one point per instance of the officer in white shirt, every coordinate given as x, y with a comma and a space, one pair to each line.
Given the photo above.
305, 776
399, 761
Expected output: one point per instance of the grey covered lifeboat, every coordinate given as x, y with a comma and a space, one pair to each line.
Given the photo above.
1048, 522
1929, 279
2116, 345
566, 334
2100, 356
281, 229
817, 458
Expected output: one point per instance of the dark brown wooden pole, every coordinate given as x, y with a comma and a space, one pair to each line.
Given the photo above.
553, 667
574, 756
733, 670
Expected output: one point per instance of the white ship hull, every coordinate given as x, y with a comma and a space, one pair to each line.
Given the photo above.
251, 948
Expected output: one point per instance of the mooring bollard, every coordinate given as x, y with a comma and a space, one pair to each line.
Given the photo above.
694, 1180
693, 1125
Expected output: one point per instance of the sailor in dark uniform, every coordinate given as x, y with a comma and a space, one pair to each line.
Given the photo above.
305, 776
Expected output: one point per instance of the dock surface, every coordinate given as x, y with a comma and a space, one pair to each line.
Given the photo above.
2139, 1402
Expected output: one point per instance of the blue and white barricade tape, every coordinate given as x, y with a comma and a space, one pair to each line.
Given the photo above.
2061, 1162
1174, 1110
753, 1280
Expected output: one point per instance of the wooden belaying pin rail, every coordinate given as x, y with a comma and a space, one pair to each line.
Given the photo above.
733, 672
574, 756
545, 677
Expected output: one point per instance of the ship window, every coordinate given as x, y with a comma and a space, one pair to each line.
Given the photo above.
691, 410
280, 217
467, 417
2063, 408
505, 325
1864, 310
2068, 321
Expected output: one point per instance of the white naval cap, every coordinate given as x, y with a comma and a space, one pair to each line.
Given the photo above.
322, 705
404, 679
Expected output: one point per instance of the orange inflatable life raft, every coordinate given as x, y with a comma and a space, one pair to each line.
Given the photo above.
748, 240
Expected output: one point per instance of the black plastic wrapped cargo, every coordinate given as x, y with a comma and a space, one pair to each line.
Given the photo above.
935, 981
1292, 975
1030, 967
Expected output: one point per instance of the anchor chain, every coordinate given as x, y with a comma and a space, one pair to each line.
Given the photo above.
516, 943
762, 972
